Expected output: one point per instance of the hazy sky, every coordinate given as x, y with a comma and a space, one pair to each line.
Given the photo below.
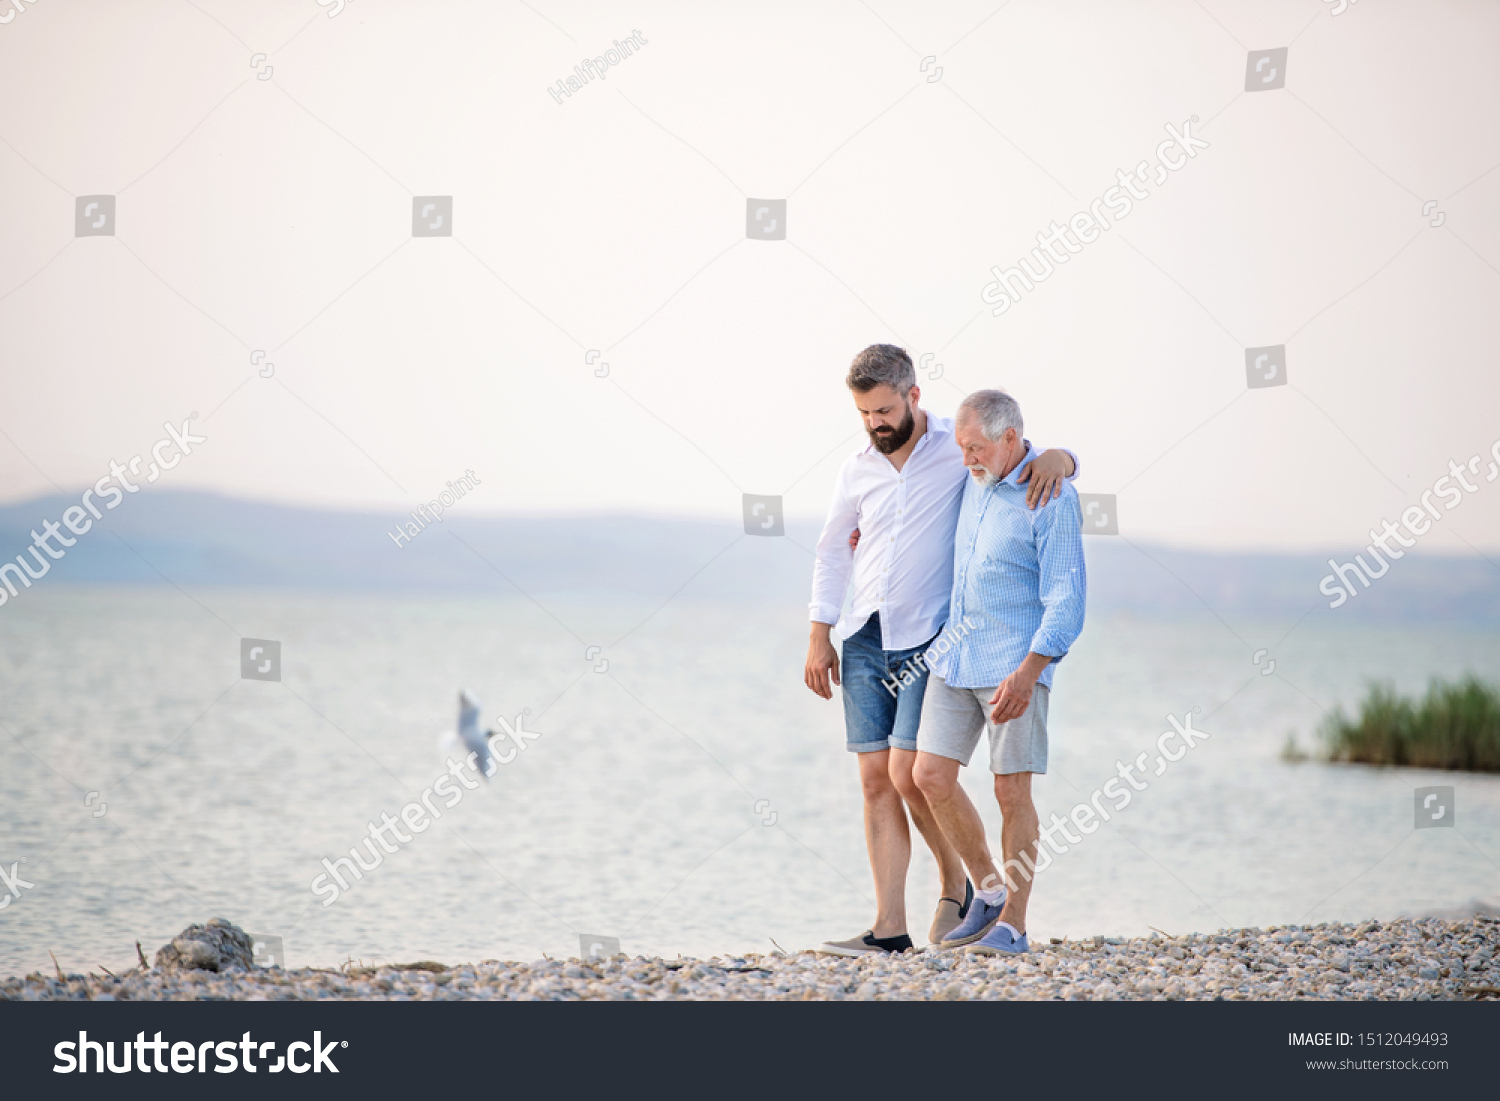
276, 215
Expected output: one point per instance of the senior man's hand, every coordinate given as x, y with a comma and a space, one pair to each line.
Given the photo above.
1013, 697
1046, 475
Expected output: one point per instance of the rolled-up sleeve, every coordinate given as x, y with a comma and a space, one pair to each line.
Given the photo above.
1062, 583
1073, 477
834, 560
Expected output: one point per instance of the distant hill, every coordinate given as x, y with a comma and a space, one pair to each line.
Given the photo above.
202, 539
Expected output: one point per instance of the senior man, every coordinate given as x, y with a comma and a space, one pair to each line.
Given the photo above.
902, 492
1018, 588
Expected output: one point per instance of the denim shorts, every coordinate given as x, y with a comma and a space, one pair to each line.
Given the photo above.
880, 712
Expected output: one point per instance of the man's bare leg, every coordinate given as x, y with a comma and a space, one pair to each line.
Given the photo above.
950, 864
937, 777
888, 839
1018, 835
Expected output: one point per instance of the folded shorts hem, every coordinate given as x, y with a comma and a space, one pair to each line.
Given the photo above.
1017, 771
951, 755
886, 743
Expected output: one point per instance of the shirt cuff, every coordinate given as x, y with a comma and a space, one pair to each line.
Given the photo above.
1048, 647
1073, 477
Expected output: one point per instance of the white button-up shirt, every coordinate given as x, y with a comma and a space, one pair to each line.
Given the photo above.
903, 567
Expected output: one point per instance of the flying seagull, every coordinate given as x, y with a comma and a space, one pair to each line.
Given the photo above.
472, 738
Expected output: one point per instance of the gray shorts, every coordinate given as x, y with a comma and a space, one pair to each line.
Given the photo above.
953, 717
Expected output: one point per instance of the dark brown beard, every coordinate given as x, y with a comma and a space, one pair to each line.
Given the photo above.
895, 439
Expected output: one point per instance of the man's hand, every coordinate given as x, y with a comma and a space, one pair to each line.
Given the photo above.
853, 540
1046, 474
1013, 697
822, 662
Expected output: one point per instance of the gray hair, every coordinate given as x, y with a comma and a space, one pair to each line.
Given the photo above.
994, 410
882, 365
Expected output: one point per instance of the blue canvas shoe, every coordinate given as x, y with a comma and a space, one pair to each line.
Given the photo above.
976, 923
1002, 940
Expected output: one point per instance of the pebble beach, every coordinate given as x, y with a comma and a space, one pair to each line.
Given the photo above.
1429, 959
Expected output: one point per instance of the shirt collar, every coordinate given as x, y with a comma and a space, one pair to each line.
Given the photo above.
1010, 479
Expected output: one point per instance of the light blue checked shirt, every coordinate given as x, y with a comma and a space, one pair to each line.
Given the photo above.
1018, 583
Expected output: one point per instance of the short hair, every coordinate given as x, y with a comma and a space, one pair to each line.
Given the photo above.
995, 410
882, 365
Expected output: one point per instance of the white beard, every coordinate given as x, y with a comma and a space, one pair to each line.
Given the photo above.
985, 478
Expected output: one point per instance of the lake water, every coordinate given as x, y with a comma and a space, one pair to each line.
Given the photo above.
686, 793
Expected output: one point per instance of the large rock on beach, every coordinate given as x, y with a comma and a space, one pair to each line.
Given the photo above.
218, 946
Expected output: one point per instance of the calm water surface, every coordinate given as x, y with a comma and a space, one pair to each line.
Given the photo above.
688, 796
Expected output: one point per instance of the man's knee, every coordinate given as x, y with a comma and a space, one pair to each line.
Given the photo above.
936, 777
875, 781
901, 773
1013, 793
